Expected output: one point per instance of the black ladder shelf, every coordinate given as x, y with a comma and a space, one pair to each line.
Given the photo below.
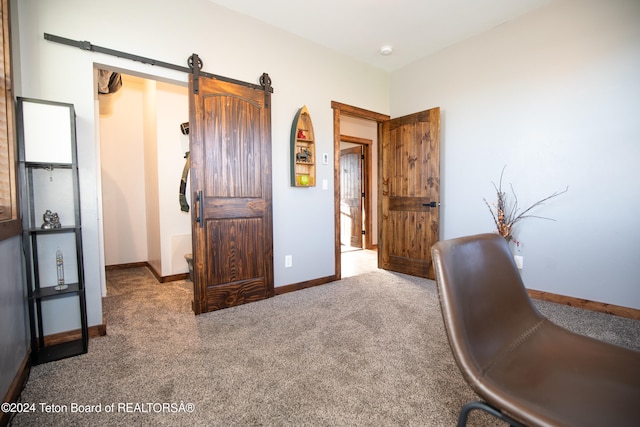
51, 224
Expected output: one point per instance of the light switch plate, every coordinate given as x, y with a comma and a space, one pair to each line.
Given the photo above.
519, 261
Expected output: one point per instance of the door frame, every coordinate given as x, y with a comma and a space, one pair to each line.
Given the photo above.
351, 111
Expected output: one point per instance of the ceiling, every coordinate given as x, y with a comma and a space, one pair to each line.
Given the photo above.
359, 28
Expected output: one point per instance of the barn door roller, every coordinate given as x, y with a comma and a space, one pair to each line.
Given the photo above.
195, 65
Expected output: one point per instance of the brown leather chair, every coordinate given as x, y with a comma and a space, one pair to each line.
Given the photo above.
526, 369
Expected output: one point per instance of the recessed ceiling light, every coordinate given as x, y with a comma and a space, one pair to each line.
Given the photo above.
386, 50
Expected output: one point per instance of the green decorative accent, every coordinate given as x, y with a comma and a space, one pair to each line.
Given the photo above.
294, 134
303, 150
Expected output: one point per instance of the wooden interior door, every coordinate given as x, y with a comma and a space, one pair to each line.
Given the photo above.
351, 196
232, 224
410, 191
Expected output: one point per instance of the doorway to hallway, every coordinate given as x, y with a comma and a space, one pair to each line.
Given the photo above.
358, 261
352, 195
356, 127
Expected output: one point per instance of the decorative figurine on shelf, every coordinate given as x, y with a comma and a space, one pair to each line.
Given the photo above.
51, 220
304, 156
301, 134
60, 270
56, 220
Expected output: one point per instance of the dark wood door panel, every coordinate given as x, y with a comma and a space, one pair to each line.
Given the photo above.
234, 249
232, 294
232, 227
409, 203
243, 207
410, 266
413, 150
234, 163
412, 119
410, 153
411, 253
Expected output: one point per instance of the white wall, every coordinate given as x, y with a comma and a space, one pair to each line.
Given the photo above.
230, 45
168, 228
555, 96
122, 168
152, 190
172, 108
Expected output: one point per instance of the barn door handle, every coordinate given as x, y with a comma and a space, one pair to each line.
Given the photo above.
431, 204
200, 217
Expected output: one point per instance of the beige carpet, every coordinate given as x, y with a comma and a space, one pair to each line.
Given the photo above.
369, 350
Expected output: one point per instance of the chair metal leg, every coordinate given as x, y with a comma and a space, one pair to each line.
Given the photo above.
464, 413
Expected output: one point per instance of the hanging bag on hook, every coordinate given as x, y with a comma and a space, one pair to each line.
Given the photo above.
184, 206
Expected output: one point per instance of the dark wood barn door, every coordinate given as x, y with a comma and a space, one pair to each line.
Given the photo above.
351, 196
230, 131
410, 192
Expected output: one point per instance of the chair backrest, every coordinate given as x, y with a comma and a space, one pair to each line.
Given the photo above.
484, 303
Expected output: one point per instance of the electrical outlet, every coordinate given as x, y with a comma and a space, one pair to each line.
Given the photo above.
288, 261
519, 261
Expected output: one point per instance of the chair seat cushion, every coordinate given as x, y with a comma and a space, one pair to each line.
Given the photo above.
556, 377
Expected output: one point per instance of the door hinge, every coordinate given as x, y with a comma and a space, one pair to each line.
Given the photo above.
363, 232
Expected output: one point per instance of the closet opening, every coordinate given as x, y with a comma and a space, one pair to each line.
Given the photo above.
142, 151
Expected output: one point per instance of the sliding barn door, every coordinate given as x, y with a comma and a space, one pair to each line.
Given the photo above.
230, 143
410, 159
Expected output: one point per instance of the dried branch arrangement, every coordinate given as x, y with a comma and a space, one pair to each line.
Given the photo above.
506, 215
